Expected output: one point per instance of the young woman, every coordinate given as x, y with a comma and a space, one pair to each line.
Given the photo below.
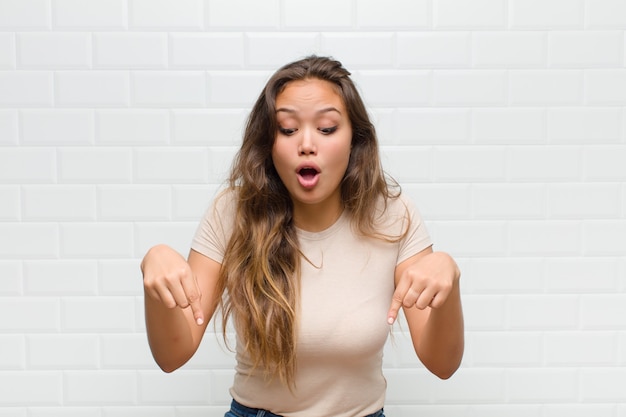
311, 251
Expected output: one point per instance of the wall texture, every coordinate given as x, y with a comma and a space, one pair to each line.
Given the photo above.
504, 119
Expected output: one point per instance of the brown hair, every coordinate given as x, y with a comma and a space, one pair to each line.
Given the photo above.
261, 267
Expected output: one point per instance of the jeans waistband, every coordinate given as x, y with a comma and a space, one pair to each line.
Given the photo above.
244, 411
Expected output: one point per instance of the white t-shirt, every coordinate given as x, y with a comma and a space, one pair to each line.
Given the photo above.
346, 292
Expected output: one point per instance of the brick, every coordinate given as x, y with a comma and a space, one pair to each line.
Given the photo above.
272, 50
543, 312
488, 237
547, 238
32, 388
92, 89
25, 88
156, 411
433, 50
190, 201
606, 14
166, 14
113, 277
546, 14
125, 351
306, 15
545, 164
469, 87
235, 89
130, 50
54, 50
98, 314
171, 165
103, 240
409, 14
11, 273
29, 240
95, 165
580, 349
431, 126
50, 203
542, 385
585, 125
578, 410
134, 203
11, 203
12, 352
406, 88
177, 235
29, 314
509, 49
510, 410
9, 131
604, 163
221, 381
57, 127
441, 201
584, 201
102, 387
466, 164
90, 14
505, 349
259, 14
27, 165
60, 277
7, 51
505, 276
172, 89
582, 275
484, 312
586, 49
508, 126
401, 385
604, 237
24, 14
361, 50
545, 87
482, 14
188, 386
127, 127
62, 351
605, 87
461, 389
602, 384
220, 161
410, 164
64, 412
207, 50
215, 127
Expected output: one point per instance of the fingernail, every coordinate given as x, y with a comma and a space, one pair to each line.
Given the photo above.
390, 320
199, 321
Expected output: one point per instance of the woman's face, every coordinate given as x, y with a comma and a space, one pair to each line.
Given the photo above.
312, 145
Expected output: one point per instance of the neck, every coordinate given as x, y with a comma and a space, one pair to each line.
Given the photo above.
316, 217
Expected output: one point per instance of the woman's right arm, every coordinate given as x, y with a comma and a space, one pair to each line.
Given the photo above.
180, 299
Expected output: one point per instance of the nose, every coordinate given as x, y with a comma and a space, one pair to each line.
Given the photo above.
307, 143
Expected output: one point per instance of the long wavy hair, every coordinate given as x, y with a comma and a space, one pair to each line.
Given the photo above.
260, 273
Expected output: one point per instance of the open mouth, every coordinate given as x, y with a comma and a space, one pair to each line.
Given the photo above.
307, 173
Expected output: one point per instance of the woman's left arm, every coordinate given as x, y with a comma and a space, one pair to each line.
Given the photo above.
427, 288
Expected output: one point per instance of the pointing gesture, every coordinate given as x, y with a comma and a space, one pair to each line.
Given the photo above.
169, 279
425, 280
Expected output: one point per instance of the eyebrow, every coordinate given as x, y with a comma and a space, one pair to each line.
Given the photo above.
320, 111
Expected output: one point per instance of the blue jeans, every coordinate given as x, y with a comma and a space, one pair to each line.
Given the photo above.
239, 410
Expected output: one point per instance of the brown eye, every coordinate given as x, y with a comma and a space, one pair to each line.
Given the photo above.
327, 130
287, 132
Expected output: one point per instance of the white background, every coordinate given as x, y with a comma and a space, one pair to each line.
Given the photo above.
503, 119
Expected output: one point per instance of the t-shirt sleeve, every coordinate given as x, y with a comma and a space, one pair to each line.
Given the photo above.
215, 227
417, 237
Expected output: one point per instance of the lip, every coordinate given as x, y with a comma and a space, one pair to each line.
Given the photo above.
311, 179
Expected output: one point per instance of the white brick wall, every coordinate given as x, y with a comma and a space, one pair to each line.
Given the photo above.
505, 120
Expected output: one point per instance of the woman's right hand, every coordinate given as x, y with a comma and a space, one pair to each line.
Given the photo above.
168, 278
